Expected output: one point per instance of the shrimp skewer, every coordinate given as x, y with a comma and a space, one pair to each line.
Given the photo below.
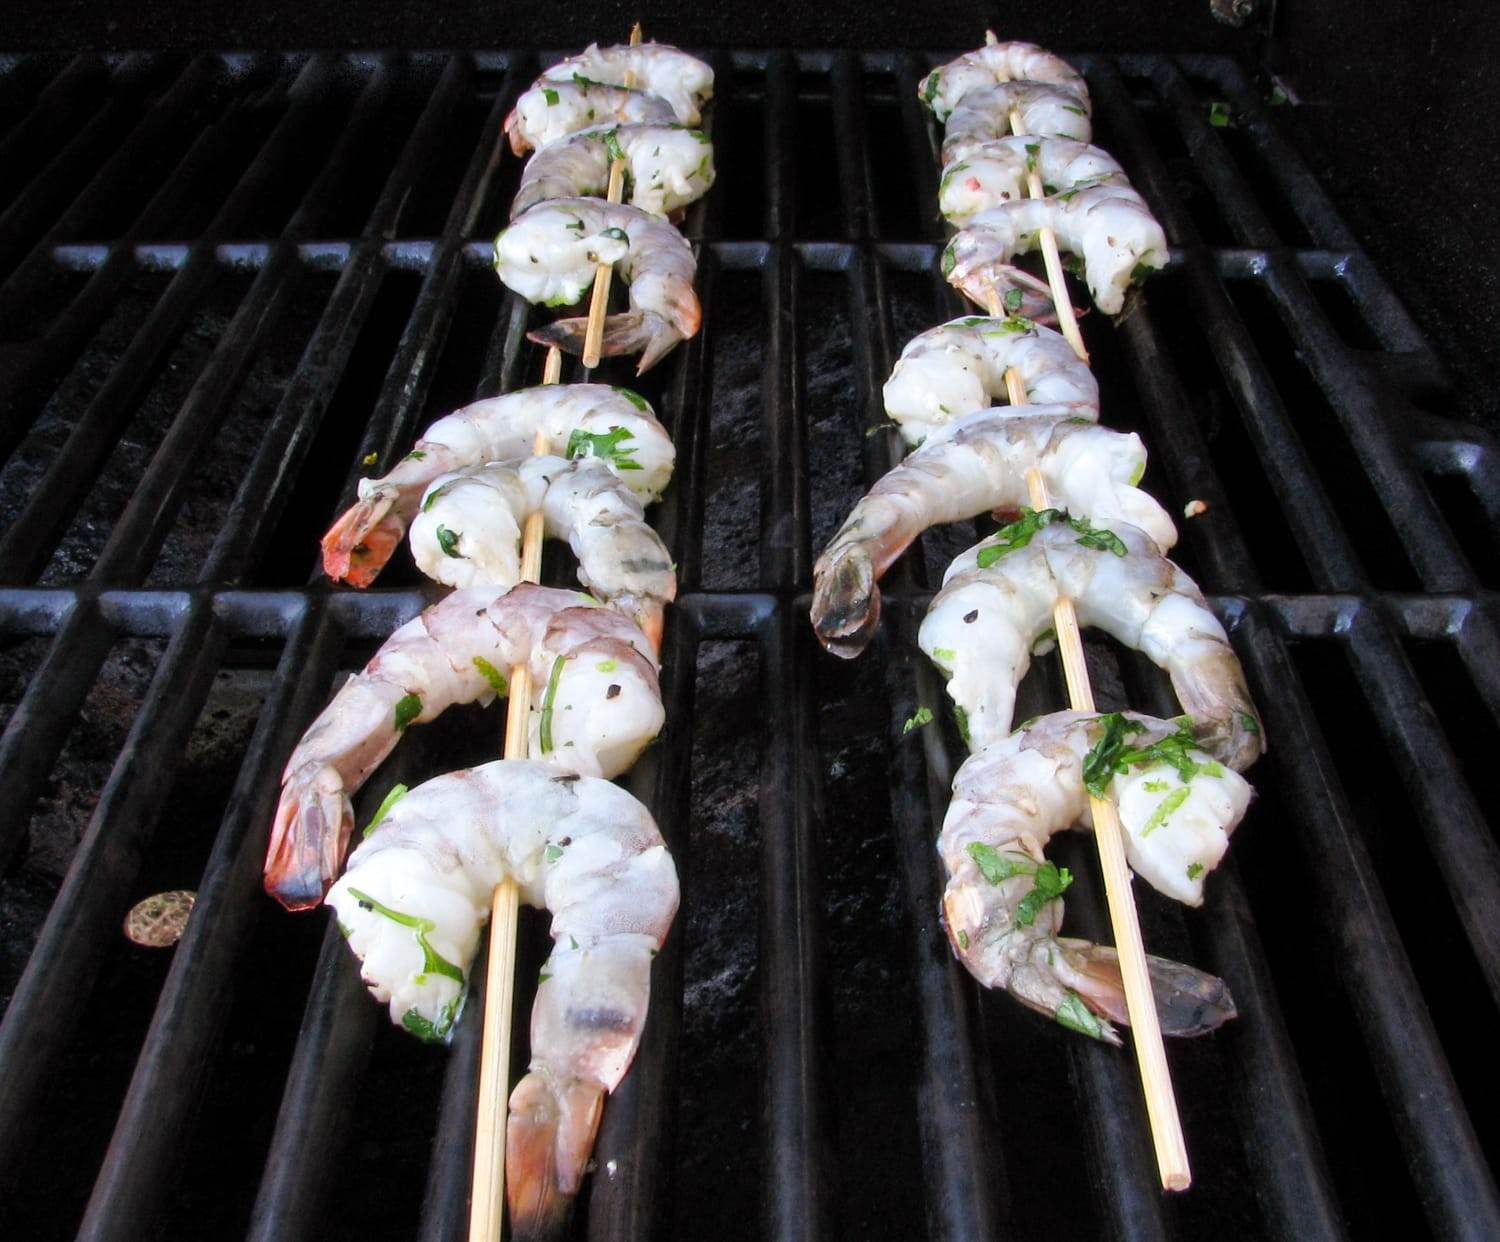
1002, 907
416, 896
551, 253
998, 64
669, 166
468, 531
971, 466
994, 173
594, 706
960, 367
554, 108
501, 428
986, 115
659, 69
996, 607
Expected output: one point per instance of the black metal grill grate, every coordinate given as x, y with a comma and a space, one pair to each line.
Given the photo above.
227, 280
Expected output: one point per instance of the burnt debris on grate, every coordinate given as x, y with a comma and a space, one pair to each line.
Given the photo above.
227, 279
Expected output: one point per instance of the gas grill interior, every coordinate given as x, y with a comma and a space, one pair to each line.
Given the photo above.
227, 280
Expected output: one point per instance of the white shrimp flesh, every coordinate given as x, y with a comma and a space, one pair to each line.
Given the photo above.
415, 900
552, 109
984, 115
994, 173
1109, 227
572, 418
659, 69
995, 611
469, 529
997, 64
974, 465
550, 255
959, 367
667, 167
1002, 904
595, 705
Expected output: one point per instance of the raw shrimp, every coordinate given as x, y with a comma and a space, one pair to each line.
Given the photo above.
468, 532
1108, 226
984, 625
959, 367
550, 254
417, 895
669, 166
984, 115
595, 706
997, 64
993, 173
504, 428
551, 110
973, 465
669, 73
1002, 906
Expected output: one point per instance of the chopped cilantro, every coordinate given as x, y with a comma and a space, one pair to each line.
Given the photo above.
606, 445
1111, 754
543, 977
408, 708
433, 962
1164, 810
369, 459
946, 654
554, 852
1033, 149
1073, 110
922, 716
1219, 115
550, 96
415, 455
1194, 870
1050, 881
612, 144
961, 719
1016, 535
635, 399
930, 88
1248, 722
1076, 1016
963, 940
492, 675
545, 733
616, 235
397, 793
1155, 786
606, 666
1013, 300
1100, 540
949, 260
448, 541
432, 1033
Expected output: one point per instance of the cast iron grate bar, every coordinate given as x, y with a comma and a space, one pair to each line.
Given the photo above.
83, 227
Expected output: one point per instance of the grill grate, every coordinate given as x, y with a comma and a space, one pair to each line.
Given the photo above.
227, 280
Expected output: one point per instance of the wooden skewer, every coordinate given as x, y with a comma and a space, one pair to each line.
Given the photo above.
593, 337
1151, 1056
487, 1201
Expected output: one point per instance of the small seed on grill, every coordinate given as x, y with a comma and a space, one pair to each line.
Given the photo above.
159, 921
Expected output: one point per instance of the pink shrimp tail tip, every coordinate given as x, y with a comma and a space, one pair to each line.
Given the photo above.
308, 839
518, 144
547, 1147
358, 545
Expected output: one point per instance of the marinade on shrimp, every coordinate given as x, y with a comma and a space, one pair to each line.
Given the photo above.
668, 167
973, 465
552, 109
415, 900
990, 174
998, 64
959, 367
984, 116
995, 611
503, 428
659, 69
1002, 905
595, 705
550, 254
1109, 227
469, 528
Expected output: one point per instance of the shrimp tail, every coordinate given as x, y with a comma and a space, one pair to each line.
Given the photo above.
518, 143
358, 545
846, 604
998, 284
547, 1146
1188, 1001
637, 331
313, 822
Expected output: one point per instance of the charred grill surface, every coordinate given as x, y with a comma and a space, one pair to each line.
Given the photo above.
228, 280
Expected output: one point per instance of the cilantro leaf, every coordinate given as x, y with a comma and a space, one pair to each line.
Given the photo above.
545, 733
1194, 870
448, 541
1076, 1016
1016, 535
922, 717
492, 675
433, 962
1219, 115
1097, 537
1013, 300
397, 793
606, 445
550, 95
1164, 810
408, 708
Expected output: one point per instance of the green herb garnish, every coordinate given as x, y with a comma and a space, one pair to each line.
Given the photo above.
433, 962
408, 708
492, 675
1076, 1016
547, 698
550, 96
1111, 754
1164, 809
922, 716
1095, 537
554, 852
448, 541
606, 445
612, 144
397, 793
1051, 881
963, 940
961, 719
1013, 301
1016, 535
433, 1033
369, 459
1219, 115
949, 260
1194, 870
1248, 722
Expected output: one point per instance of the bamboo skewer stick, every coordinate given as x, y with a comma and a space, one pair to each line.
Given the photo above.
593, 337
1151, 1057
487, 1200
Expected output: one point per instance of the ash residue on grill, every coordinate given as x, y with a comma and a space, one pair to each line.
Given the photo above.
717, 1173
69, 796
